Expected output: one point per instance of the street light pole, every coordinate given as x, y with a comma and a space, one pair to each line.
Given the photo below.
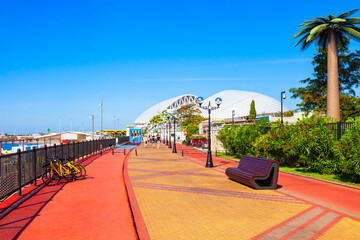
169, 146
92, 132
166, 134
233, 115
218, 101
283, 96
101, 105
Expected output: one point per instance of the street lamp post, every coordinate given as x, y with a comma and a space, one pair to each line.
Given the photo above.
169, 121
174, 147
166, 134
233, 115
92, 132
163, 133
283, 96
218, 101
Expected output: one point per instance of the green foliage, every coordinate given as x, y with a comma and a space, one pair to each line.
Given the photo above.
347, 152
309, 144
252, 113
191, 129
314, 94
239, 140
190, 119
318, 30
156, 120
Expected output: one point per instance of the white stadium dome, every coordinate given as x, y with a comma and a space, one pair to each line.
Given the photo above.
240, 102
236, 100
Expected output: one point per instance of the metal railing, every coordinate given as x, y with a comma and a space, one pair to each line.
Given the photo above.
338, 129
22, 168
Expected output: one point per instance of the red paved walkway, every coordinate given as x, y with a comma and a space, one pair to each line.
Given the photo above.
94, 208
343, 199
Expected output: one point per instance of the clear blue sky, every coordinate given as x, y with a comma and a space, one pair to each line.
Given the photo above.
57, 58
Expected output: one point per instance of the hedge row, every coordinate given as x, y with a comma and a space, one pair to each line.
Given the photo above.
309, 143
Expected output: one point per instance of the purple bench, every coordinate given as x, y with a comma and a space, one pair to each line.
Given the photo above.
255, 172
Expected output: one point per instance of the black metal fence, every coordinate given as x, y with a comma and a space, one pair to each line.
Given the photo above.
338, 129
22, 168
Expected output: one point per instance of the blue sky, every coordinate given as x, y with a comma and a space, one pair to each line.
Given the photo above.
57, 58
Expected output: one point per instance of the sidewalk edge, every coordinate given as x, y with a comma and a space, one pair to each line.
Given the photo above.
139, 222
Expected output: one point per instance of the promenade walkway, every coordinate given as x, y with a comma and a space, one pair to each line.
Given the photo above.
178, 198
94, 208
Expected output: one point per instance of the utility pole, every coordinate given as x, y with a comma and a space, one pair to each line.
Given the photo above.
114, 122
101, 105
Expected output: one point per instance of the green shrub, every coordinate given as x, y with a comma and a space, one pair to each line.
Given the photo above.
347, 152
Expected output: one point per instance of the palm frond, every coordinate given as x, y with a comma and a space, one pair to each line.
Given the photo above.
322, 41
302, 39
353, 32
337, 20
321, 19
344, 15
318, 29
330, 17
302, 31
353, 21
340, 37
305, 45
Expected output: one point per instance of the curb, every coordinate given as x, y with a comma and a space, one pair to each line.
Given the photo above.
138, 220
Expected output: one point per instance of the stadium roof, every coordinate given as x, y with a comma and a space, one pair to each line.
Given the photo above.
172, 103
240, 101
232, 100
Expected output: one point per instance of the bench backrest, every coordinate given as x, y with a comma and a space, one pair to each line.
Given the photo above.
256, 164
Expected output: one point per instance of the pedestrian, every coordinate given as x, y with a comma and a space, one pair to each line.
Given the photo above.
153, 141
145, 141
158, 141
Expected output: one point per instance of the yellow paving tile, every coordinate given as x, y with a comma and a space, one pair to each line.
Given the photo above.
164, 166
181, 215
206, 182
345, 229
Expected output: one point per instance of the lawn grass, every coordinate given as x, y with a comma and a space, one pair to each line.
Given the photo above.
303, 171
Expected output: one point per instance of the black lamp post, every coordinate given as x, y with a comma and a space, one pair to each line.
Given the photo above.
233, 115
163, 133
283, 96
169, 146
174, 146
166, 135
218, 101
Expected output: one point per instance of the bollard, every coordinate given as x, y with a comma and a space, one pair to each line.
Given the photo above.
135, 151
124, 150
112, 149
182, 152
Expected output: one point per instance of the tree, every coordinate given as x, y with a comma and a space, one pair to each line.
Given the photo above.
252, 113
190, 119
314, 95
327, 32
156, 120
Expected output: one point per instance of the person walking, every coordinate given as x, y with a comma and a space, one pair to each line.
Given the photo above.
153, 141
145, 139
158, 141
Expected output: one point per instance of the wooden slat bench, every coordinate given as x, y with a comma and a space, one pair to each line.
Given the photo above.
255, 172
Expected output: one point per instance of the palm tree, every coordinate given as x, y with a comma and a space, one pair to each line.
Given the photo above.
327, 32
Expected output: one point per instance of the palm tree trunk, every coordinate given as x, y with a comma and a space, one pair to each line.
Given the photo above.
333, 97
